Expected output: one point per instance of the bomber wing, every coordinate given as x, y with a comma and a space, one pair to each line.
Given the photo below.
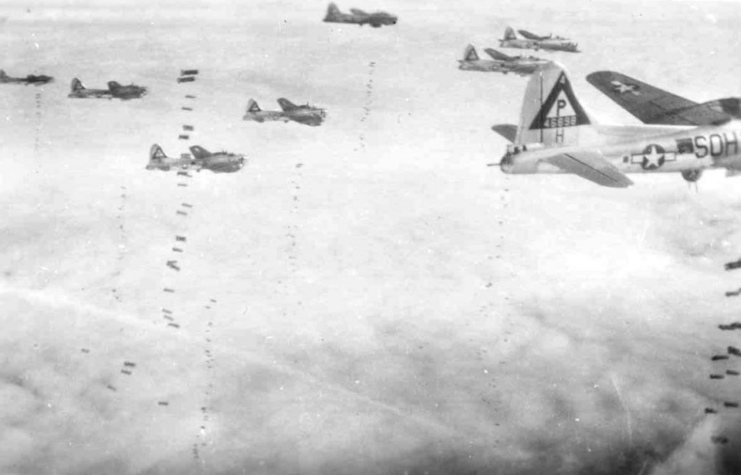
650, 104
590, 164
497, 55
532, 36
311, 120
523, 69
287, 105
199, 152
358, 12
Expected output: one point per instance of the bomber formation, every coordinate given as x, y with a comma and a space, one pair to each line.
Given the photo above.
555, 133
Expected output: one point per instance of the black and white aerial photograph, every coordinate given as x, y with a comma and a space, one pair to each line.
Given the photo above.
370, 237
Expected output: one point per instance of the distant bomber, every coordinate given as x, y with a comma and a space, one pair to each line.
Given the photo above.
359, 17
500, 62
114, 91
30, 79
557, 135
305, 114
219, 162
536, 42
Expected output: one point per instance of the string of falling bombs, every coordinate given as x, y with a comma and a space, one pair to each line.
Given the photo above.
295, 183
38, 123
126, 369
201, 439
186, 75
174, 261
368, 101
726, 364
123, 238
731, 266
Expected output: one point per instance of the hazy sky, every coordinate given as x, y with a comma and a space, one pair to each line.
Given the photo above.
363, 297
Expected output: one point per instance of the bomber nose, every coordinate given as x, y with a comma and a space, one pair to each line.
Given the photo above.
506, 163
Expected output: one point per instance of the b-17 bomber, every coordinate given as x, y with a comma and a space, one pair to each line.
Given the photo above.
33, 79
500, 62
114, 91
218, 162
359, 17
536, 42
557, 135
303, 114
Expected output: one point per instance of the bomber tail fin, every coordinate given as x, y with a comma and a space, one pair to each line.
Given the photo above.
3, 75
551, 113
509, 34
470, 54
77, 85
156, 154
252, 106
332, 12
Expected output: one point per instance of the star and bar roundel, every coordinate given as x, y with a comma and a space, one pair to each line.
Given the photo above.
653, 157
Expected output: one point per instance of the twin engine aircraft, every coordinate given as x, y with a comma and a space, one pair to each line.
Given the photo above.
557, 135
114, 91
359, 17
30, 79
500, 62
304, 114
219, 162
536, 42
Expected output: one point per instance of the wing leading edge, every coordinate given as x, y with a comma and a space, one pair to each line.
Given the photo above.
652, 105
590, 164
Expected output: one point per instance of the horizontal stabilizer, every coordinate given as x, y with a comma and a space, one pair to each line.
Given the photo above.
508, 131
590, 164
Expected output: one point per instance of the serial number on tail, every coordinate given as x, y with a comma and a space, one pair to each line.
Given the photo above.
558, 122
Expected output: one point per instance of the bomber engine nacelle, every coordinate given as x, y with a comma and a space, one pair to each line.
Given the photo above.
691, 175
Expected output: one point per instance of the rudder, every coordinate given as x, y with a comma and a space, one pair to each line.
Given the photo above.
551, 114
332, 12
156, 153
509, 34
76, 85
470, 54
252, 106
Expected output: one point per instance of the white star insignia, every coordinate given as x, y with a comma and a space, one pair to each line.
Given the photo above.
623, 88
653, 157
